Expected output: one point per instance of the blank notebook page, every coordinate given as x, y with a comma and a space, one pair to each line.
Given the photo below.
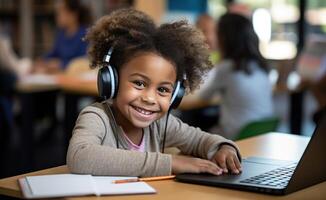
63, 184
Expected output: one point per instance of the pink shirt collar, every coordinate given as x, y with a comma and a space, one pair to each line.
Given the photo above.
134, 147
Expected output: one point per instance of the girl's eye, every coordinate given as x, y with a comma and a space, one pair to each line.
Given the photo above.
139, 84
164, 90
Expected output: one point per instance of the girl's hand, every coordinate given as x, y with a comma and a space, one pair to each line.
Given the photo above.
184, 164
227, 159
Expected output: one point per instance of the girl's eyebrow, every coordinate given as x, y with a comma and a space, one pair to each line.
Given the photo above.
167, 83
141, 75
147, 79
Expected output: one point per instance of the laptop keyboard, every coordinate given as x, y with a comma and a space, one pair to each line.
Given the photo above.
277, 178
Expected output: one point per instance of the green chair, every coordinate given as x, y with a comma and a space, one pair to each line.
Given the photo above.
258, 127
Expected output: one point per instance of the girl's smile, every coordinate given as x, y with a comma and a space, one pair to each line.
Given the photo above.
144, 114
145, 95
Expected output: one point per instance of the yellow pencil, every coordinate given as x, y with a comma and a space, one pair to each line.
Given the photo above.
155, 178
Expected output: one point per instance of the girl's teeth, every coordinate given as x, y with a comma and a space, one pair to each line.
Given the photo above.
143, 111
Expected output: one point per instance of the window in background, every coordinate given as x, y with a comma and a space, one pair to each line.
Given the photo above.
216, 8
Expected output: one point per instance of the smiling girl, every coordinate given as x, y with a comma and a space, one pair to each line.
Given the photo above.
124, 135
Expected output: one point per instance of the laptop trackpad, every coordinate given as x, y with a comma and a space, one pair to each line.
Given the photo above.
251, 166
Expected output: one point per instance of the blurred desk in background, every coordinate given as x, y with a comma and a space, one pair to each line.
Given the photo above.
194, 109
83, 85
193, 101
78, 85
38, 83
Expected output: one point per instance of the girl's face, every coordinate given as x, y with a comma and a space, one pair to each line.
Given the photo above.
145, 89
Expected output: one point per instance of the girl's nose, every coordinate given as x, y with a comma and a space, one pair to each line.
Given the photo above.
148, 100
148, 97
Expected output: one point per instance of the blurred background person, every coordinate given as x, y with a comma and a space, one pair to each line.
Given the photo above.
239, 8
316, 84
241, 77
207, 25
11, 69
72, 19
10, 61
8, 78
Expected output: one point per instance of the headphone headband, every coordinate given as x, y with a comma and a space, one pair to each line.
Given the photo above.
107, 57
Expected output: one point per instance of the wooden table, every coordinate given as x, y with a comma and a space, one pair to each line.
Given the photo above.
74, 84
272, 145
78, 85
193, 101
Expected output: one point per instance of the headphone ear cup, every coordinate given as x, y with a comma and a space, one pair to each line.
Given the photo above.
103, 85
177, 95
116, 82
107, 82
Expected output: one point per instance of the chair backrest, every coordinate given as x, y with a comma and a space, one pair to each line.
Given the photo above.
258, 127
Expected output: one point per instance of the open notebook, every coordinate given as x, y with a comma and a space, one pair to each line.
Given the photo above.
62, 185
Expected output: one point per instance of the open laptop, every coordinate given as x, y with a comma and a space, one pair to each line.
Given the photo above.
274, 176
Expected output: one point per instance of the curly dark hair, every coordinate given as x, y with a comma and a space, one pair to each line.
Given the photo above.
131, 32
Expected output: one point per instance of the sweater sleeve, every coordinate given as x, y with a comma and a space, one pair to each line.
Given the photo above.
193, 141
88, 155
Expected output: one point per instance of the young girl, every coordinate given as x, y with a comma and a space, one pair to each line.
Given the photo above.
125, 136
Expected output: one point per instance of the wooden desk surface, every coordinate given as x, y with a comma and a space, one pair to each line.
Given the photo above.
77, 85
193, 101
273, 145
37, 83
68, 83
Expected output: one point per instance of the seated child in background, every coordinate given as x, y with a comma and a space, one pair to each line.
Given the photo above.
125, 134
207, 25
72, 19
240, 79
